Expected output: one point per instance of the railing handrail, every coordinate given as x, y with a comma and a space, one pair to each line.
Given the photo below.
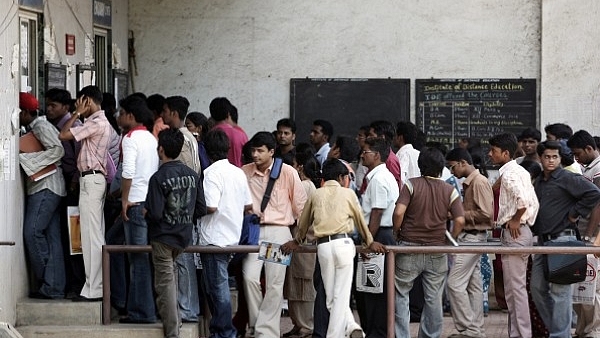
389, 262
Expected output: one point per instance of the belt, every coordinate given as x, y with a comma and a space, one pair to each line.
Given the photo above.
91, 172
331, 238
503, 226
474, 232
566, 232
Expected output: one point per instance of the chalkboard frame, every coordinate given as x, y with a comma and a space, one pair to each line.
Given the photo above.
531, 91
304, 119
120, 79
84, 71
51, 68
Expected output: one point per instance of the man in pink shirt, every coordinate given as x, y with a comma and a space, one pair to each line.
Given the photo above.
220, 111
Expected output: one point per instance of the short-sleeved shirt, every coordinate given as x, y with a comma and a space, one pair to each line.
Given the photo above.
516, 192
225, 188
381, 193
428, 201
409, 166
140, 162
478, 202
95, 136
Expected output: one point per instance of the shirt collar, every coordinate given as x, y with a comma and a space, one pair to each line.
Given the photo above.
471, 177
507, 166
375, 171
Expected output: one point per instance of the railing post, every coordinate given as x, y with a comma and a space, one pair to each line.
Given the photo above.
390, 273
105, 286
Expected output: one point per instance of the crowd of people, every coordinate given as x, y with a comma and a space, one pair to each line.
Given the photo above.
153, 173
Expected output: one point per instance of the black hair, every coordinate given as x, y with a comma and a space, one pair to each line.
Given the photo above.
140, 95
61, 96
533, 167
288, 123
246, 153
478, 158
219, 108
459, 154
383, 128
109, 105
505, 141
217, 144
263, 138
93, 92
326, 127
310, 165
179, 104
199, 120
550, 144
333, 168
156, 103
560, 130
581, 140
431, 162
348, 147
305, 148
233, 112
136, 106
437, 145
597, 140
408, 131
380, 145
287, 158
530, 133
171, 140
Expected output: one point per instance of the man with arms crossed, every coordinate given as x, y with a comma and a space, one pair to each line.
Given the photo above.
465, 285
518, 208
284, 207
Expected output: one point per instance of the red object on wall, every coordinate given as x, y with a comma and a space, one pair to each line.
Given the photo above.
70, 44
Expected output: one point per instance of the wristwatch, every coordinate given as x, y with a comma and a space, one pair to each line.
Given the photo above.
587, 239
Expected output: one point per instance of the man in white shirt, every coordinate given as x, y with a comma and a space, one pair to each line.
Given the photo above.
406, 135
140, 162
320, 134
227, 198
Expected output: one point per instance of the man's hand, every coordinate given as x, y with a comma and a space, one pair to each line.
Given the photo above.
289, 247
126, 205
514, 226
378, 247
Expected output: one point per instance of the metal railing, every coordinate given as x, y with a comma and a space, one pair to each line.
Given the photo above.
390, 262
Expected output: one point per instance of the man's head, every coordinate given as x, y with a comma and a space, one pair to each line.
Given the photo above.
460, 162
262, 147
133, 112
197, 124
334, 169
345, 148
320, 133
361, 136
58, 103
217, 145
382, 129
375, 152
557, 131
406, 133
156, 104
170, 142
174, 111
550, 153
90, 99
286, 132
29, 108
502, 148
220, 109
529, 139
431, 162
583, 146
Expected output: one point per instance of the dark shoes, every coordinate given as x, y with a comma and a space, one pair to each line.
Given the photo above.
129, 320
39, 295
81, 298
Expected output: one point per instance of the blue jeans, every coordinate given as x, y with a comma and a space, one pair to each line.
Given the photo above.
140, 300
216, 287
118, 279
553, 301
434, 268
187, 287
41, 232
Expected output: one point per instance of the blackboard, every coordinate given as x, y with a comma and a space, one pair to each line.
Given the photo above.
451, 109
120, 83
55, 76
347, 103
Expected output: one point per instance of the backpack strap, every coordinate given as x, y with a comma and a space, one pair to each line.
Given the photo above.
273, 176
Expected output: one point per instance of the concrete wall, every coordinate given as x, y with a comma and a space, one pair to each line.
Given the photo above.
570, 90
248, 50
60, 18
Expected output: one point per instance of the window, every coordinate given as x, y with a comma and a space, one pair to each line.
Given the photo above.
28, 37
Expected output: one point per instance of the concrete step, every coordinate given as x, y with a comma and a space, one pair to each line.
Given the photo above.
31, 312
189, 330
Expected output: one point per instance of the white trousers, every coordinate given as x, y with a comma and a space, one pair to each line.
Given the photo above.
336, 259
265, 313
91, 217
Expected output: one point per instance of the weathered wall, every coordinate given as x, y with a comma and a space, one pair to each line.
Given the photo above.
570, 91
13, 278
248, 50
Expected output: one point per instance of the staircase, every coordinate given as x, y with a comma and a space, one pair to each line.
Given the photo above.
65, 319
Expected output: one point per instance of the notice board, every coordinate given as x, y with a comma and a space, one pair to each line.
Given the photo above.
451, 109
348, 103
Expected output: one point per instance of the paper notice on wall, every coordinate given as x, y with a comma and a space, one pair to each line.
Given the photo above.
88, 51
6, 158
